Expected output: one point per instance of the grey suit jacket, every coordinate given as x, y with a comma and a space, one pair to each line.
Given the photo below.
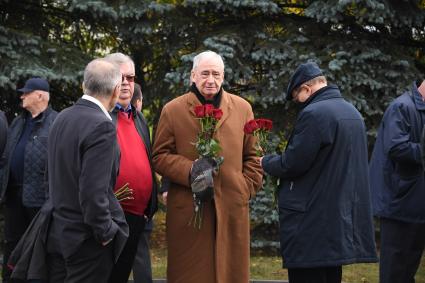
83, 164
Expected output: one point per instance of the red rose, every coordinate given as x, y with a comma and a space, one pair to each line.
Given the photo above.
209, 108
268, 124
265, 124
250, 127
260, 123
200, 111
217, 114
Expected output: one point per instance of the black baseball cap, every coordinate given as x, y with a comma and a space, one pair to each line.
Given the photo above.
35, 84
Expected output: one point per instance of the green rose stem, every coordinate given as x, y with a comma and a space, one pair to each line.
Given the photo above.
124, 193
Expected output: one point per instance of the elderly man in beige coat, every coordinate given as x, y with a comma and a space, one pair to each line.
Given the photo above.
218, 252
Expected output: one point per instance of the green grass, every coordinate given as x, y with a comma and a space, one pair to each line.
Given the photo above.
159, 263
267, 267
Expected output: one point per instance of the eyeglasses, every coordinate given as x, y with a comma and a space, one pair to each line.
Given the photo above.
129, 78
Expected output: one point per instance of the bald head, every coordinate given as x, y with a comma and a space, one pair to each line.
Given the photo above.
101, 78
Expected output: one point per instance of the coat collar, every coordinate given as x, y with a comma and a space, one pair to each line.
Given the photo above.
225, 105
40, 117
327, 92
417, 98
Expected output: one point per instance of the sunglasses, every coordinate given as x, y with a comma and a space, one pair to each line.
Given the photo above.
129, 78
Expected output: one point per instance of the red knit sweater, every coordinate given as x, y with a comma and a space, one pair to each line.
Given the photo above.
134, 165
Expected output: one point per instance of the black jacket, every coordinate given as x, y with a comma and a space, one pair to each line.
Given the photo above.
34, 187
3, 132
29, 258
83, 165
143, 130
396, 171
324, 200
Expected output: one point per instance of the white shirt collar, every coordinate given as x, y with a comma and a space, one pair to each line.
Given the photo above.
97, 102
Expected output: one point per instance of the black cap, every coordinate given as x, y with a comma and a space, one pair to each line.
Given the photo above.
302, 74
35, 84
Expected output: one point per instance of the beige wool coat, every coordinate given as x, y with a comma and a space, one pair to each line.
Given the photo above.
219, 252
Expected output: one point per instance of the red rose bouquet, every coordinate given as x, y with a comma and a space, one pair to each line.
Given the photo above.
208, 148
261, 129
208, 116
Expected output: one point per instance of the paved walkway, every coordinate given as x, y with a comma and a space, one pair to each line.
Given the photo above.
252, 281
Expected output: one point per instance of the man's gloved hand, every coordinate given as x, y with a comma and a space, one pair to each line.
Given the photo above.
201, 178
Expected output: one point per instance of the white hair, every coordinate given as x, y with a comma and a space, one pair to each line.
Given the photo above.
45, 94
207, 55
119, 59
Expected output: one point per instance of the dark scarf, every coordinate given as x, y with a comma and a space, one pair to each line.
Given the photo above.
216, 100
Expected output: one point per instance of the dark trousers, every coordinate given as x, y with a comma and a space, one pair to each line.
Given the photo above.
17, 217
122, 267
402, 245
91, 263
142, 270
315, 275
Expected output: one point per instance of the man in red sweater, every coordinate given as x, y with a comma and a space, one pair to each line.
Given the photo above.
135, 166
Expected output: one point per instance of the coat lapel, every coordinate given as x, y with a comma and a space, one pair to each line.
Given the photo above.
192, 101
225, 106
142, 129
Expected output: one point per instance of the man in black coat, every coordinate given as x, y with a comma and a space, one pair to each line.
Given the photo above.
397, 182
3, 132
23, 186
88, 229
324, 199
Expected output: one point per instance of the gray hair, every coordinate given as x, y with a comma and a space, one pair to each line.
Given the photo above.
119, 59
319, 79
45, 94
207, 55
101, 77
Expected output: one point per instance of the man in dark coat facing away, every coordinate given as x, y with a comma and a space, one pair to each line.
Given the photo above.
324, 199
88, 229
397, 183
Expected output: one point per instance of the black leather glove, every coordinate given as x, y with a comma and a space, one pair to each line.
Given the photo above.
201, 178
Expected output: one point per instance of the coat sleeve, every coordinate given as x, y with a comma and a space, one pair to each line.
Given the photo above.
3, 132
3, 141
423, 147
397, 135
300, 153
166, 161
94, 182
251, 169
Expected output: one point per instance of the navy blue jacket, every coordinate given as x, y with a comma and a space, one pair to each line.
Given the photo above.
396, 170
34, 187
324, 200
3, 132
